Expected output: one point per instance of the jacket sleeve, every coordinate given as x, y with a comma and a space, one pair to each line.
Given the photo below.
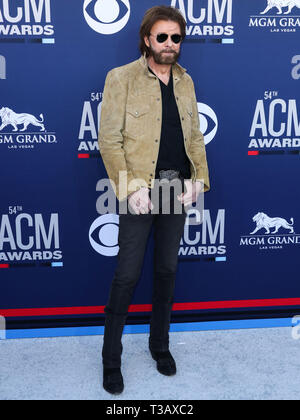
197, 145
110, 136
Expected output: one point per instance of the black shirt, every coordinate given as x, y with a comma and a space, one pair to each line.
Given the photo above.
172, 153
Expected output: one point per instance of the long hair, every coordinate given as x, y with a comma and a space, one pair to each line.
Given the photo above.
155, 14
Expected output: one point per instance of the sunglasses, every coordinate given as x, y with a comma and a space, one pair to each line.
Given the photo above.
176, 38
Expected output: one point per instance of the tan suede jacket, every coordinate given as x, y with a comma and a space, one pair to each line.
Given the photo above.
130, 126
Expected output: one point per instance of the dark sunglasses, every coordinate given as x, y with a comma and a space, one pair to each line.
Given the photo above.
176, 38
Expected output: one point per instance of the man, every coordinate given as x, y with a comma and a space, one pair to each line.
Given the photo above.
149, 131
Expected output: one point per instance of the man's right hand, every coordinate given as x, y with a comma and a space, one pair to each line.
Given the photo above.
140, 202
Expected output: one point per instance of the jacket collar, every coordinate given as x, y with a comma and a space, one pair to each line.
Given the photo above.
178, 70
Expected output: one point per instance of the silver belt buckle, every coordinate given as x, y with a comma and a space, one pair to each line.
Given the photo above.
168, 174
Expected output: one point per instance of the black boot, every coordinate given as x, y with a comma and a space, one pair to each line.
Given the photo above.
112, 351
163, 297
113, 380
165, 363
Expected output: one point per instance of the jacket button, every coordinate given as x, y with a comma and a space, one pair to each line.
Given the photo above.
182, 118
156, 141
153, 161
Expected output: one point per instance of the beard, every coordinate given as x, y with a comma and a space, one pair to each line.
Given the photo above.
161, 58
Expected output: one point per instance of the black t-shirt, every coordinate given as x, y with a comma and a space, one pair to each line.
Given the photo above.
172, 153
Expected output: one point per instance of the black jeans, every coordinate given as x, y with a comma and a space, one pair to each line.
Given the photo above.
133, 236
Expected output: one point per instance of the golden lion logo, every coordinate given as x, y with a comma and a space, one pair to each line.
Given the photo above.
9, 117
279, 4
265, 222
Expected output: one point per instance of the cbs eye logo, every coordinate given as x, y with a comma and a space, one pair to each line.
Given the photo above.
106, 16
103, 235
208, 122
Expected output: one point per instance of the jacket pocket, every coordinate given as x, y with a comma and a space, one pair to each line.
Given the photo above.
136, 119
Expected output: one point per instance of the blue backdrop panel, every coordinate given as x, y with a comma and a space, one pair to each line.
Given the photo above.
57, 254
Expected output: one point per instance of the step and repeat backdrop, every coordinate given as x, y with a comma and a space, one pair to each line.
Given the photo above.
57, 253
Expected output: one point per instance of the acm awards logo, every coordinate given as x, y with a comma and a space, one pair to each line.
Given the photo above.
271, 232
26, 18
106, 17
13, 123
275, 124
277, 16
26, 237
204, 237
206, 18
89, 125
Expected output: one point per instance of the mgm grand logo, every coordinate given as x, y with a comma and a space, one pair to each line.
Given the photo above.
271, 233
12, 123
278, 16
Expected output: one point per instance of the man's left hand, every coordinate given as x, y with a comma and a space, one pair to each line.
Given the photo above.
193, 189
